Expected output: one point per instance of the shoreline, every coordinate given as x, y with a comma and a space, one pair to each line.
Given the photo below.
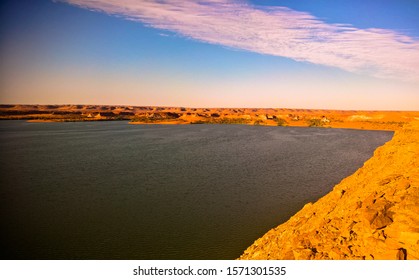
352, 127
371, 214
184, 123
355, 119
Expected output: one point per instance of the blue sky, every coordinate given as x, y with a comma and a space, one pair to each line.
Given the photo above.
332, 54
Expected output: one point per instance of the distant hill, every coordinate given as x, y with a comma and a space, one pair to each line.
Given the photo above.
385, 120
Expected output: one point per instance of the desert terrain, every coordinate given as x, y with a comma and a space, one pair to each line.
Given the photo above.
372, 214
374, 120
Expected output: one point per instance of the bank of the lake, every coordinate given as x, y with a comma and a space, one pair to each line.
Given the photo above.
372, 214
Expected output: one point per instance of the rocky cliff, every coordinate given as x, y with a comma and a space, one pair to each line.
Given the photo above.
372, 214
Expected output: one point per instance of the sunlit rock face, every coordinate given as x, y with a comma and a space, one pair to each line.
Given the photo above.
372, 214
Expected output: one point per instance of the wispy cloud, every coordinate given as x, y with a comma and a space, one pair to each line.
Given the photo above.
277, 31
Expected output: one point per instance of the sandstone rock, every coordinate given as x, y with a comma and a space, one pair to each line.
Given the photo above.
288, 255
381, 220
303, 254
372, 214
401, 254
410, 238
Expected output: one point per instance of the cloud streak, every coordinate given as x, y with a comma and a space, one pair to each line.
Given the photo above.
277, 31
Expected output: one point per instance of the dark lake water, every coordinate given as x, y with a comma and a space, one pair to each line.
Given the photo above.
110, 190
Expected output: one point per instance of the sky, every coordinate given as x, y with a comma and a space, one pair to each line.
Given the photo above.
317, 54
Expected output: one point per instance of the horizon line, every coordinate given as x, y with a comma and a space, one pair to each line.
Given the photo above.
189, 107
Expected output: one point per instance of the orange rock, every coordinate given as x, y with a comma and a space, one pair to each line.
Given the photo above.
376, 217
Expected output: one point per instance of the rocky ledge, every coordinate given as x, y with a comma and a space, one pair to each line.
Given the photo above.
372, 214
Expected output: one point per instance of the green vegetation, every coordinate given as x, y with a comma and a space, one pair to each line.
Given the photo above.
281, 122
259, 122
399, 124
388, 123
222, 121
315, 123
200, 122
229, 121
143, 119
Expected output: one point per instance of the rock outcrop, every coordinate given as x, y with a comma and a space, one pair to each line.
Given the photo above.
372, 214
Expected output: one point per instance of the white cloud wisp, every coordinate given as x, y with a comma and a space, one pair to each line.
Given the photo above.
276, 31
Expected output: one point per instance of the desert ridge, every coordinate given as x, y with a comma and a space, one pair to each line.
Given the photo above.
373, 120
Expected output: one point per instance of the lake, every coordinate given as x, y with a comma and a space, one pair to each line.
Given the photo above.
110, 190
